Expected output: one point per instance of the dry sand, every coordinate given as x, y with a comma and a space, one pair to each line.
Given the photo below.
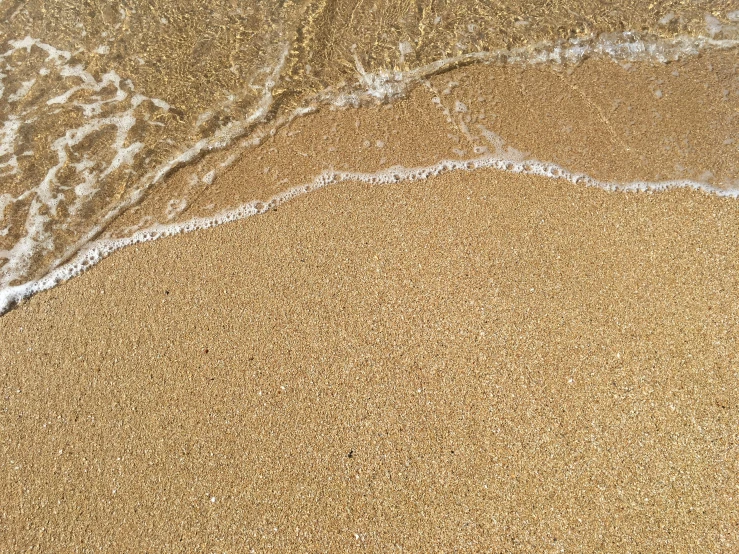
480, 362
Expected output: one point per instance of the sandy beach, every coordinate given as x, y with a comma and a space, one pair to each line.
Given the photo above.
478, 362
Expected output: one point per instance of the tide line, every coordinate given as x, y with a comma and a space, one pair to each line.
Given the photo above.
99, 249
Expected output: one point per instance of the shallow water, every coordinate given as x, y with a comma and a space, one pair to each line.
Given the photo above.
103, 104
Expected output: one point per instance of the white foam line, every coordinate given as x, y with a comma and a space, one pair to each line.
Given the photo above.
96, 251
379, 86
628, 46
225, 135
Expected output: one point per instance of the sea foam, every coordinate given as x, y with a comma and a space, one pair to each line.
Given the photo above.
95, 251
370, 88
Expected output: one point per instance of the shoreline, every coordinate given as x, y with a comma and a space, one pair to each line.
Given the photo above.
97, 250
477, 360
644, 140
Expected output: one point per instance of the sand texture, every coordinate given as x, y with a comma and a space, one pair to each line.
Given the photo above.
478, 362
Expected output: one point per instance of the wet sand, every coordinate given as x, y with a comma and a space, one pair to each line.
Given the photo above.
477, 362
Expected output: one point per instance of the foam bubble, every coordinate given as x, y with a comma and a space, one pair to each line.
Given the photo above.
667, 18
625, 47
8, 135
713, 25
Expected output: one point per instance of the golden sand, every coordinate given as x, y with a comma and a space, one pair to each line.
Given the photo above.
479, 362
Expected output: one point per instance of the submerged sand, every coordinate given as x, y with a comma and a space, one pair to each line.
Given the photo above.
480, 361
